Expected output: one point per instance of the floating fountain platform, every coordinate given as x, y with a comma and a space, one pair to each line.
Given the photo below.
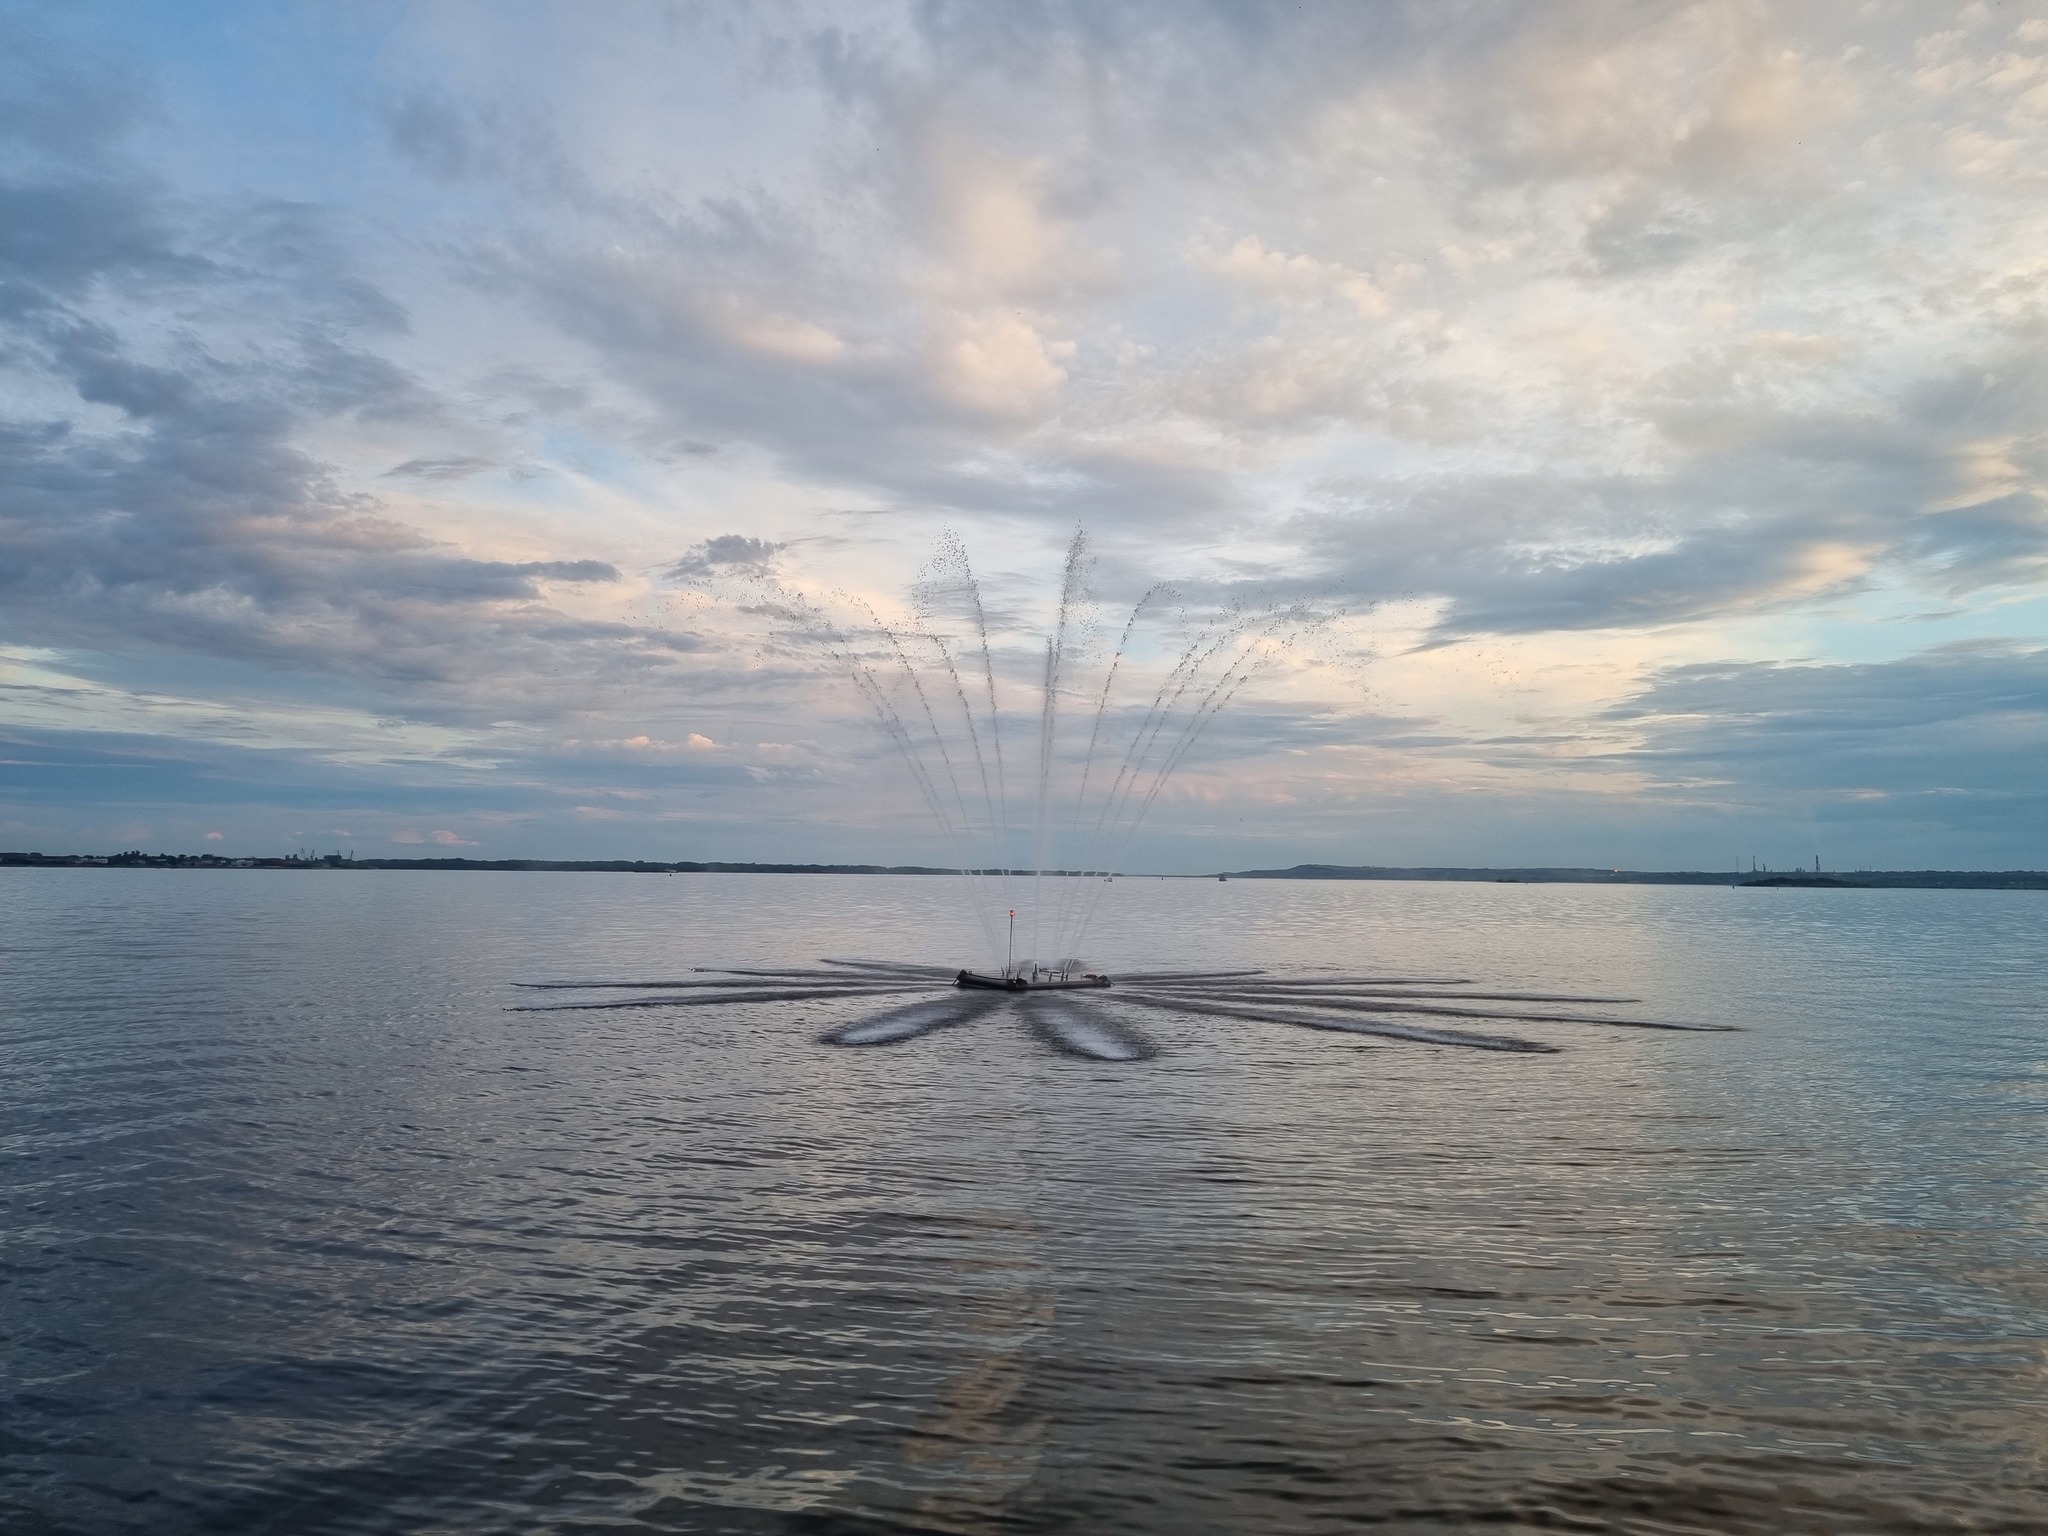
1035, 979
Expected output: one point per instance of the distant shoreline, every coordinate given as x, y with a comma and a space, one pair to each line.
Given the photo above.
1862, 879
567, 866
1893, 879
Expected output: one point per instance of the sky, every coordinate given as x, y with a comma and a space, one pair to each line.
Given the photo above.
404, 407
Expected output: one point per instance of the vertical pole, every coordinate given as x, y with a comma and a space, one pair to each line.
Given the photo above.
1010, 966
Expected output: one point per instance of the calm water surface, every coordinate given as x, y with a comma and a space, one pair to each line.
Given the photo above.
304, 1232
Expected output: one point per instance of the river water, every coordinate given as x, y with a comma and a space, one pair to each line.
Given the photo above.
304, 1232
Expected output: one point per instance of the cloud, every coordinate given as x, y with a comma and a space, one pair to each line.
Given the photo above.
454, 467
443, 138
728, 552
1704, 335
161, 487
998, 363
1938, 743
1940, 484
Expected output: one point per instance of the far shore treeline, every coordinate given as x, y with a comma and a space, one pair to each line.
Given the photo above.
1893, 879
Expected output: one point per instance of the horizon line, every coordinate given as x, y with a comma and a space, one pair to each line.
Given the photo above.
1525, 873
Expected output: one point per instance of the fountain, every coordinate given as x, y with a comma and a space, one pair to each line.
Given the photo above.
931, 682
1054, 791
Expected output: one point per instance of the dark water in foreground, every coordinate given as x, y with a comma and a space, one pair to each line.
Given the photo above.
303, 1233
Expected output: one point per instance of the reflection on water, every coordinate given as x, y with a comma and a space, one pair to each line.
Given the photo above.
306, 1232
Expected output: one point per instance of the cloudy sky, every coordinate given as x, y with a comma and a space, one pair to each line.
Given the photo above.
397, 401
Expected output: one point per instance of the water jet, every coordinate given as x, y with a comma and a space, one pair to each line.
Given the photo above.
1037, 762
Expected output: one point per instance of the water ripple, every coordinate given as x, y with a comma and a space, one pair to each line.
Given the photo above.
304, 1231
